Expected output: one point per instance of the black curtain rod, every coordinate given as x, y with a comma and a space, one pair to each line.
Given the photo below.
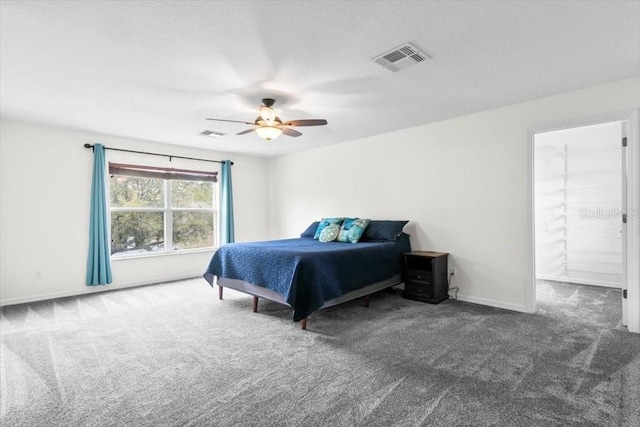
157, 154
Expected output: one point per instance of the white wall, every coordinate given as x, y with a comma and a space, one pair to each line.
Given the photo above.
578, 202
45, 183
463, 184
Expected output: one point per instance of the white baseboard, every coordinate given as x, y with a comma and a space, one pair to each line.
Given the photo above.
92, 290
493, 303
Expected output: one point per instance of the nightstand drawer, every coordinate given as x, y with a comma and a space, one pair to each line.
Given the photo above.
419, 276
418, 290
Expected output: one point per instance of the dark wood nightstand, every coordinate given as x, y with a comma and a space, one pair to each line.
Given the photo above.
425, 276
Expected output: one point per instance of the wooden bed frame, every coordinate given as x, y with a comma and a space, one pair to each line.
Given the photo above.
261, 292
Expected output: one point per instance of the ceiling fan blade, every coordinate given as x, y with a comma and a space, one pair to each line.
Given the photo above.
232, 121
290, 132
307, 122
245, 132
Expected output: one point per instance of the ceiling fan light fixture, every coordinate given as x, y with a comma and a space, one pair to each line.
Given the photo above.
268, 132
267, 114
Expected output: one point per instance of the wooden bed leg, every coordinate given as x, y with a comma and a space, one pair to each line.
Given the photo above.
255, 304
220, 292
303, 324
366, 301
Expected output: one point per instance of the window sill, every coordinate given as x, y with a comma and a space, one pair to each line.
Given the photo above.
162, 254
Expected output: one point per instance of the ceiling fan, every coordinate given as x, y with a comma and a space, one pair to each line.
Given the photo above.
269, 126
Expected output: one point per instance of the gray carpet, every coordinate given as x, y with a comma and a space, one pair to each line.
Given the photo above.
173, 354
594, 305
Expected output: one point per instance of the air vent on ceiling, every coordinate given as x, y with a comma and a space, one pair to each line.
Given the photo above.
401, 57
212, 134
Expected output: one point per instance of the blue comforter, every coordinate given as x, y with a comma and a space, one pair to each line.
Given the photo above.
307, 272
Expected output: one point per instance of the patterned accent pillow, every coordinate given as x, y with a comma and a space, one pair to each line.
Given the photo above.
326, 222
329, 233
352, 229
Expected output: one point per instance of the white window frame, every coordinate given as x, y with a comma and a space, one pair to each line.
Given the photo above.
167, 211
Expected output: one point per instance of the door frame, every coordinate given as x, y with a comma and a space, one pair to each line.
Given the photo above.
632, 273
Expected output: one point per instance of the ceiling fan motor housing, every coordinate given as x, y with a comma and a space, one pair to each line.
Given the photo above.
262, 122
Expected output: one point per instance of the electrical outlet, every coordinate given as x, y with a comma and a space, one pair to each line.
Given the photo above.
453, 272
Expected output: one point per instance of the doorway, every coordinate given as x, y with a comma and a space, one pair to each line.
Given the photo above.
579, 198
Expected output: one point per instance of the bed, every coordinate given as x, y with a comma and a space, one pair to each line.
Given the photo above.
307, 274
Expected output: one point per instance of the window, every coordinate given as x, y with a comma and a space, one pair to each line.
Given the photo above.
160, 210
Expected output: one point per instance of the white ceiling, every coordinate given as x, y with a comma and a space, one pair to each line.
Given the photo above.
154, 70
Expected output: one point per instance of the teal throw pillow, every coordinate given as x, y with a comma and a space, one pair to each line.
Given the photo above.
325, 223
352, 229
329, 233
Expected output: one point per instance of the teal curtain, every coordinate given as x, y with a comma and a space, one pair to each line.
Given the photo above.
226, 205
98, 261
